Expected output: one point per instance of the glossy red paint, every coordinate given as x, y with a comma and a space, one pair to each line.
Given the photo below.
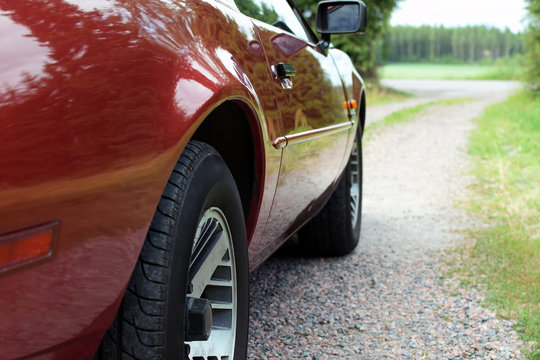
97, 101
308, 170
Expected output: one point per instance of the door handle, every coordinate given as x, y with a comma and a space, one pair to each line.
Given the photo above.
283, 70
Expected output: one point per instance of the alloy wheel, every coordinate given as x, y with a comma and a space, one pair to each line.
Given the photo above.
212, 276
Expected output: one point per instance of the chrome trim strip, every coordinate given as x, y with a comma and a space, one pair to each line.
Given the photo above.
280, 142
284, 141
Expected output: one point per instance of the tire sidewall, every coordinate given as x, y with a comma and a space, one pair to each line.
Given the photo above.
353, 230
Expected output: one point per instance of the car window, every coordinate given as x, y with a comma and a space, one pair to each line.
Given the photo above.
275, 12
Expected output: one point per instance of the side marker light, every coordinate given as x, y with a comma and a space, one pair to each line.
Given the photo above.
351, 104
26, 246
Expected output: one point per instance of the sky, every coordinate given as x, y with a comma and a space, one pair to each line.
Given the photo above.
451, 13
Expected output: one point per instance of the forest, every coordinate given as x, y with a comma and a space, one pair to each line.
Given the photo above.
437, 44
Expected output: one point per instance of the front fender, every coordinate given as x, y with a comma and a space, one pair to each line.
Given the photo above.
93, 116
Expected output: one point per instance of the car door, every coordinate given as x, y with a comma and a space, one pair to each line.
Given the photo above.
315, 124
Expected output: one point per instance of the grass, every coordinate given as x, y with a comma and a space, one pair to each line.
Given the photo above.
378, 94
408, 114
502, 69
506, 254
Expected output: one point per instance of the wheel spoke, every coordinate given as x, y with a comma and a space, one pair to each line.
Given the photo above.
206, 264
210, 233
354, 191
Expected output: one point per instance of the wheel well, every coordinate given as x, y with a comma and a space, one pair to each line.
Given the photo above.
227, 129
362, 114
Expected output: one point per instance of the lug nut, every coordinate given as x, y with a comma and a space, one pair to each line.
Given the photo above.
198, 319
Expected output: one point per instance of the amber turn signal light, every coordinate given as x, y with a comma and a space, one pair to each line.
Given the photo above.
27, 246
351, 104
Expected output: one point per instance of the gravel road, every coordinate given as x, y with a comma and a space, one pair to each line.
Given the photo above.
432, 90
388, 300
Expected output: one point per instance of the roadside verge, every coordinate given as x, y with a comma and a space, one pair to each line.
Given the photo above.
504, 257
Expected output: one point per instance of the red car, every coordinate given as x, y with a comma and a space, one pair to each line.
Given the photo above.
152, 152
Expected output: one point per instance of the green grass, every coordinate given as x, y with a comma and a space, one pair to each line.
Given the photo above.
503, 69
506, 254
409, 113
378, 94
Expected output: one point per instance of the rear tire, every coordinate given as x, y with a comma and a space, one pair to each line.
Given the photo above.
335, 231
196, 246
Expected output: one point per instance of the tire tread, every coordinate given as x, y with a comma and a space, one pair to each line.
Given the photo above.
138, 330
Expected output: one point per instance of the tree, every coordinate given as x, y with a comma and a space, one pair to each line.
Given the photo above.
533, 47
458, 44
361, 48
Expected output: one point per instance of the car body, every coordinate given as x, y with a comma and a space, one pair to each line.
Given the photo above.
98, 100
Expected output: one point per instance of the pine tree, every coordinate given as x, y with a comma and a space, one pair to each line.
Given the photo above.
533, 47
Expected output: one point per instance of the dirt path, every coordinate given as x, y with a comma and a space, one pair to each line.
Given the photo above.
386, 300
431, 90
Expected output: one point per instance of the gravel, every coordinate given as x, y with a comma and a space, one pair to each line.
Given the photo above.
388, 299
432, 90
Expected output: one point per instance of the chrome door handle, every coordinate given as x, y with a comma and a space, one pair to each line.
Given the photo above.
284, 70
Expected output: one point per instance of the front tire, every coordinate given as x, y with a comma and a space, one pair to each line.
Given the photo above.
196, 246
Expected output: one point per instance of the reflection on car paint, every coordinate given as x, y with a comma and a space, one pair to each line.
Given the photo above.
95, 112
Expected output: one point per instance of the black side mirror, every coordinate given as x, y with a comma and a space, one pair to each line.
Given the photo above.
341, 17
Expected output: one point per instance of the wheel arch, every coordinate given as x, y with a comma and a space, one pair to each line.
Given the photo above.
362, 111
232, 128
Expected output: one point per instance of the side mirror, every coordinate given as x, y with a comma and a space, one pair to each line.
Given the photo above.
341, 17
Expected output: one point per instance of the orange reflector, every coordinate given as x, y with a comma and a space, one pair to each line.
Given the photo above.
351, 104
26, 246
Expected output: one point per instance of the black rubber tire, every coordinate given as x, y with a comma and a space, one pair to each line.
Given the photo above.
331, 232
150, 321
